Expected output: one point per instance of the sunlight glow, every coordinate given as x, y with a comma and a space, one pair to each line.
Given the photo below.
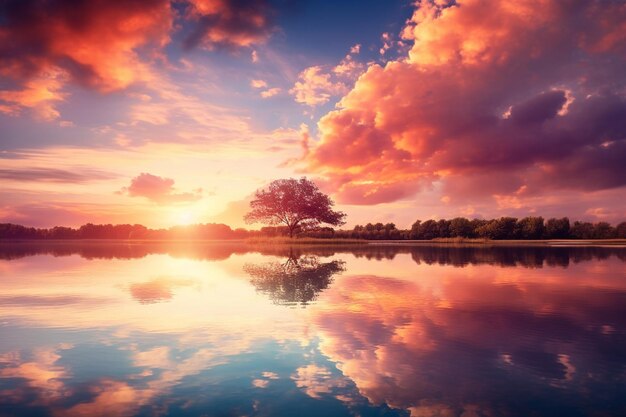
184, 217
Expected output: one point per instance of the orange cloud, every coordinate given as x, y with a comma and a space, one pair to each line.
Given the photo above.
489, 90
158, 189
94, 42
39, 94
106, 45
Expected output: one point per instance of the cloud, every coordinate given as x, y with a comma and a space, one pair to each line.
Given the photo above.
44, 45
94, 42
270, 92
107, 46
489, 91
229, 23
158, 189
54, 175
315, 87
54, 213
39, 94
258, 84
349, 68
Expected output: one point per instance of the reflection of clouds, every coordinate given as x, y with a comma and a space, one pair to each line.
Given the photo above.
49, 300
158, 289
212, 318
260, 383
110, 398
40, 373
432, 343
431, 340
316, 380
265, 379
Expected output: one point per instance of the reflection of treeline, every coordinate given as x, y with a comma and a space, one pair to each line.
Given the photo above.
457, 255
497, 229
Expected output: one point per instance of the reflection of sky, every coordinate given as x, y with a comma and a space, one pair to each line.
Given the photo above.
164, 335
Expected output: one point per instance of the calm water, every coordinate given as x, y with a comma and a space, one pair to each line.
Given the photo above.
222, 330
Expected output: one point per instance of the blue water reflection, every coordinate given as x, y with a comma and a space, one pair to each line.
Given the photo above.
182, 330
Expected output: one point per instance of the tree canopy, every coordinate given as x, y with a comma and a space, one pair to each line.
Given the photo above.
294, 203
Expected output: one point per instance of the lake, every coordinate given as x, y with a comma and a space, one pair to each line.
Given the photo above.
225, 329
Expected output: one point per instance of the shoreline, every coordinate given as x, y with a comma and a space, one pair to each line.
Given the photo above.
318, 241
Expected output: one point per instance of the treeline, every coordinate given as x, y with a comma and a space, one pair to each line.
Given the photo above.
125, 231
504, 228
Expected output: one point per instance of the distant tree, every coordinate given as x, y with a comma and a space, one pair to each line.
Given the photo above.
293, 203
530, 228
443, 228
582, 230
603, 230
476, 224
557, 228
460, 227
428, 230
502, 228
415, 230
620, 230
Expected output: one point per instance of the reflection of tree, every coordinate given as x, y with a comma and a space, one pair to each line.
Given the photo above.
297, 280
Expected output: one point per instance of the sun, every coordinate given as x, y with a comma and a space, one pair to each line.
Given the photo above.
184, 217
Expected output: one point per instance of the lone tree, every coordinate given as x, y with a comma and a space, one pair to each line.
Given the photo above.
294, 203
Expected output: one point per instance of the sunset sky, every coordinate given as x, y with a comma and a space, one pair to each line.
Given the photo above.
174, 112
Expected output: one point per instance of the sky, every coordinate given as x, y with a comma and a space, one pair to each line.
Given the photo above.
174, 112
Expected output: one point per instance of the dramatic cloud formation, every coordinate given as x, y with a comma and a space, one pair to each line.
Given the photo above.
105, 45
95, 42
158, 189
229, 23
494, 98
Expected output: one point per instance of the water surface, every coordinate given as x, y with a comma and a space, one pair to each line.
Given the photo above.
224, 329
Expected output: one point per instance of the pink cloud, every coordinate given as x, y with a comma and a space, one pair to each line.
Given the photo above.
158, 189
489, 91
